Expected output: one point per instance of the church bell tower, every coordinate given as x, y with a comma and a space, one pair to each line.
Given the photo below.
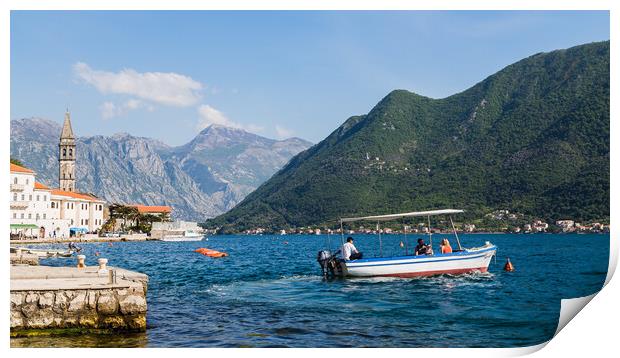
66, 156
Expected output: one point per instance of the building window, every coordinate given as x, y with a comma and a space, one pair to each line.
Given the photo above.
71, 221
30, 197
86, 221
44, 216
23, 197
14, 215
44, 197
14, 196
68, 206
22, 215
37, 198
38, 217
29, 215
15, 180
27, 181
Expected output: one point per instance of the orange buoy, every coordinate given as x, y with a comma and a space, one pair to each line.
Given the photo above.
210, 253
508, 267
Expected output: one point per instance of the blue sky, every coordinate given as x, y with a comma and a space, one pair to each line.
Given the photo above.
166, 75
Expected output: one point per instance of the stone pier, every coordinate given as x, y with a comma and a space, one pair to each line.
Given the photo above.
45, 300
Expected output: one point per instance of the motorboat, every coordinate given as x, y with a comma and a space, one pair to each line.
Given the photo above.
44, 253
187, 235
460, 261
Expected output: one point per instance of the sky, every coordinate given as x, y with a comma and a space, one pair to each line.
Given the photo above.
169, 74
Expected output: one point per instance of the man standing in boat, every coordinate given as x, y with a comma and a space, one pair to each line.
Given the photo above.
349, 252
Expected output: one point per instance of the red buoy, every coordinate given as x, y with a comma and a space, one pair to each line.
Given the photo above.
508, 267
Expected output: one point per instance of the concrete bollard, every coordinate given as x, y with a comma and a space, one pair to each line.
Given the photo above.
81, 259
103, 265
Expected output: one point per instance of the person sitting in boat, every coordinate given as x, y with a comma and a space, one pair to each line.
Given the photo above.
349, 252
422, 248
74, 247
445, 247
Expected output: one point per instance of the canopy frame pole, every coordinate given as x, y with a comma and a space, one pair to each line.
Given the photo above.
458, 242
380, 241
341, 234
430, 232
406, 240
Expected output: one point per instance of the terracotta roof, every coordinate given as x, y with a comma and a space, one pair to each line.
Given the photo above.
75, 195
19, 169
152, 208
40, 186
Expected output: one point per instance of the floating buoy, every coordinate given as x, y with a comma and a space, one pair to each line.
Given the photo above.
402, 244
508, 267
210, 253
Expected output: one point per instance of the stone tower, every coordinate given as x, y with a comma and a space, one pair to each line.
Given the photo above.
66, 156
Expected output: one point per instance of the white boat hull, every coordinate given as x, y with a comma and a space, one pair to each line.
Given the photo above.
470, 260
182, 238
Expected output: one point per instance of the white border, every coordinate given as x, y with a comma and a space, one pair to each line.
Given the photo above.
593, 332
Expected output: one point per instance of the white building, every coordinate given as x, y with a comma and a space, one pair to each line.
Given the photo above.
39, 211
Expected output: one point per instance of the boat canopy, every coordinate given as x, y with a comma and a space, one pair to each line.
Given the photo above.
404, 215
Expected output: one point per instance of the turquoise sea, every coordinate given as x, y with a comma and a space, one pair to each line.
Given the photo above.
269, 293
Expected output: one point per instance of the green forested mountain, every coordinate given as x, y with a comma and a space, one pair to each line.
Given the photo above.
532, 138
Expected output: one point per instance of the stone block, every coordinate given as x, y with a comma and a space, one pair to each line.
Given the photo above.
17, 320
91, 300
46, 300
60, 302
29, 310
41, 318
107, 304
136, 322
77, 303
17, 298
133, 304
113, 322
88, 321
32, 297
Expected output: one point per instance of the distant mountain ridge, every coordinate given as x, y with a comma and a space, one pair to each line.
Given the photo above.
200, 179
532, 138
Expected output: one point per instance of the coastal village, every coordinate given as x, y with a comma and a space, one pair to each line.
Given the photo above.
40, 212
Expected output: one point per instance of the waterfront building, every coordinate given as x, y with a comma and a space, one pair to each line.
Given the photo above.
39, 211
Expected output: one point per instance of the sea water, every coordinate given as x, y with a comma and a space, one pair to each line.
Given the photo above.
270, 293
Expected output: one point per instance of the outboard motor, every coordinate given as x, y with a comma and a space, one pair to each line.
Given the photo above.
329, 263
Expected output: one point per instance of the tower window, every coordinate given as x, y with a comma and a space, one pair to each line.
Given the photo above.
70, 152
64, 152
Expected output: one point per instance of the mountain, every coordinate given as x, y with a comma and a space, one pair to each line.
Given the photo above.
200, 179
533, 138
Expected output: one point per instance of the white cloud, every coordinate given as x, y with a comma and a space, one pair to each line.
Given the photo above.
210, 115
111, 110
171, 89
283, 133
